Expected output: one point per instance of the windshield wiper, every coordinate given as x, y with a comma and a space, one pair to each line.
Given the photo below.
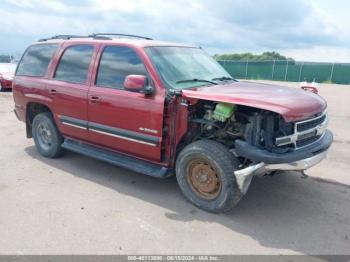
223, 78
196, 80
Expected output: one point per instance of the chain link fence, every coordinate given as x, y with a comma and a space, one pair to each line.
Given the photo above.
289, 70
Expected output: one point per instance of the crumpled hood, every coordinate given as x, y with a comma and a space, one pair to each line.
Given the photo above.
292, 103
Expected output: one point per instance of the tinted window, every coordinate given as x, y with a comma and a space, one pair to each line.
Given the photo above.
116, 63
36, 60
74, 64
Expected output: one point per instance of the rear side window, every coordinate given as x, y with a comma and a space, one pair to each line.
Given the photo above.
116, 63
74, 64
36, 60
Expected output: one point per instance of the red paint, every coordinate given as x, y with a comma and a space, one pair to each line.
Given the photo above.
292, 103
6, 79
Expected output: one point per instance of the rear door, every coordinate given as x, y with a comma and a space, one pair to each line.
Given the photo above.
69, 88
128, 122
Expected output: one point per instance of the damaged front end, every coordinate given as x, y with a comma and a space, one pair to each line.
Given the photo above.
274, 145
261, 140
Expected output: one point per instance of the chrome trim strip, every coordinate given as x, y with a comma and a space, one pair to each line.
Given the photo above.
122, 137
73, 125
311, 119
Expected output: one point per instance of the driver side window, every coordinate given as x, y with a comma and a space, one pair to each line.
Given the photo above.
115, 64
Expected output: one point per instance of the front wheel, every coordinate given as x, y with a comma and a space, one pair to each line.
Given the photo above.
205, 174
46, 135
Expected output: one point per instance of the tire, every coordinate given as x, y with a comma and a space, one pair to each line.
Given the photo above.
46, 136
195, 166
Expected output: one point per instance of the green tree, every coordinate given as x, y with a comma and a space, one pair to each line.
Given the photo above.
252, 57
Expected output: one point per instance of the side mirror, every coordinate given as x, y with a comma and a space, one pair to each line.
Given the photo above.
137, 83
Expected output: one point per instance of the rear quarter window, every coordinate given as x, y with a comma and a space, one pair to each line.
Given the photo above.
36, 60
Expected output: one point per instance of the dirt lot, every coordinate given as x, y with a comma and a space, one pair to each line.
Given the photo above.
82, 206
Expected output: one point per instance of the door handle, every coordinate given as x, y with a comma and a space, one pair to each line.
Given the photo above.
95, 99
53, 91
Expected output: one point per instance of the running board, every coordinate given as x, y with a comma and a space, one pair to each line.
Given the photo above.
134, 164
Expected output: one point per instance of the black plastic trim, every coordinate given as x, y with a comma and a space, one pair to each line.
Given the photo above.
124, 133
131, 163
255, 154
110, 130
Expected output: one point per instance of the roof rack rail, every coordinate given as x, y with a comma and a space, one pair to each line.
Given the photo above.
64, 37
101, 35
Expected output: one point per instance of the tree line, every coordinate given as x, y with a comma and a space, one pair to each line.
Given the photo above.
252, 57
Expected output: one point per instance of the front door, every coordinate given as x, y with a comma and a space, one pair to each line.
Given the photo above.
125, 121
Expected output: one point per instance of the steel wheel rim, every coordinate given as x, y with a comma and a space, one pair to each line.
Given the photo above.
203, 179
44, 136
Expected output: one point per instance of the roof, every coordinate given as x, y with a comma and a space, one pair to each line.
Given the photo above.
134, 40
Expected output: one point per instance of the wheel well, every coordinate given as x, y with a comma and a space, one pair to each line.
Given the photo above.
32, 110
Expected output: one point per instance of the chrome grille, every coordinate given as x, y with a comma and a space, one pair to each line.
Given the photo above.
305, 125
305, 132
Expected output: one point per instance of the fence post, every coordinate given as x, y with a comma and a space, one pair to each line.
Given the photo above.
331, 77
285, 74
273, 69
301, 69
246, 70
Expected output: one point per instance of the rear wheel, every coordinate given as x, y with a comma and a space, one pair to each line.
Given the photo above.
46, 135
204, 171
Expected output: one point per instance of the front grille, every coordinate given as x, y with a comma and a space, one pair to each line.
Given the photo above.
305, 132
307, 141
308, 124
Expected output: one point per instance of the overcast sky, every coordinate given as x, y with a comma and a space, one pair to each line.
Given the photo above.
313, 30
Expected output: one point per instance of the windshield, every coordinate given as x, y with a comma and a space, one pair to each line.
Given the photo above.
185, 67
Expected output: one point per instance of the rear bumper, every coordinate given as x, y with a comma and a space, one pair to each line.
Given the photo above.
258, 155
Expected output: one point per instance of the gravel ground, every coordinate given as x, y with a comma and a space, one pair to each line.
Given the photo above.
77, 205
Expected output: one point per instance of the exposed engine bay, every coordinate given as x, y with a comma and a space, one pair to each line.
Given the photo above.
227, 122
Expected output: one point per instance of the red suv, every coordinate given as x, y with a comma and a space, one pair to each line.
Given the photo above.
161, 108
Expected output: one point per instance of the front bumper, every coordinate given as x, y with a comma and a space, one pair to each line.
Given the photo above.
257, 155
268, 162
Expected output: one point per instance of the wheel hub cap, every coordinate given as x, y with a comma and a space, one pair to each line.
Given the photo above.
44, 136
